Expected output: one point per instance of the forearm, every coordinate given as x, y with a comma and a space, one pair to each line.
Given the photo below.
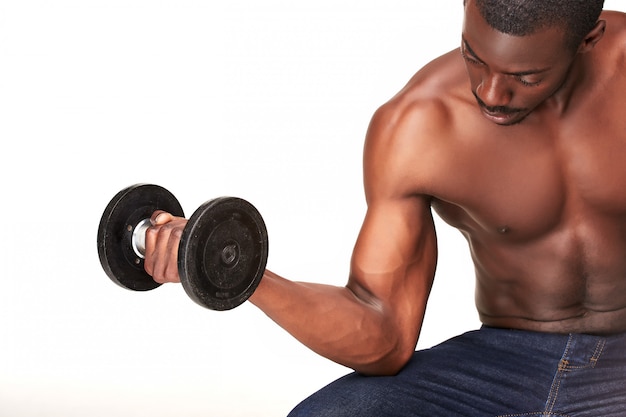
335, 322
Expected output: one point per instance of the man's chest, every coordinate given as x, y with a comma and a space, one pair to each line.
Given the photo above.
525, 184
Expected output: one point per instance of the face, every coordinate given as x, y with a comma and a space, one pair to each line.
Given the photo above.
511, 76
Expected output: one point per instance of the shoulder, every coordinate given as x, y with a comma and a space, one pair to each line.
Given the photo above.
413, 128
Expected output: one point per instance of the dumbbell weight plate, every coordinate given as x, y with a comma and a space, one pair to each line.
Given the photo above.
223, 253
124, 212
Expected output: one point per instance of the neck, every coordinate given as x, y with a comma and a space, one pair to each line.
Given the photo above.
574, 81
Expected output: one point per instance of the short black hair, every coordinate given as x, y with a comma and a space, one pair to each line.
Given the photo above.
525, 17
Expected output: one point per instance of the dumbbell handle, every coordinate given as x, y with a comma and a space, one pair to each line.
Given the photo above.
229, 253
138, 239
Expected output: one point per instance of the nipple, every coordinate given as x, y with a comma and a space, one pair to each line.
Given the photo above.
503, 230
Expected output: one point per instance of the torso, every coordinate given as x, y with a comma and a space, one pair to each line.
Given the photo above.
543, 203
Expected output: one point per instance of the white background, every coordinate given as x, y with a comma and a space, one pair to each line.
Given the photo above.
266, 100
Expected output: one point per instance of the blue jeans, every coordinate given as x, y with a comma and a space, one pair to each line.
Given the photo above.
493, 373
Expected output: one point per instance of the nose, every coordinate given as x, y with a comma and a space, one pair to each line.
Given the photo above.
494, 91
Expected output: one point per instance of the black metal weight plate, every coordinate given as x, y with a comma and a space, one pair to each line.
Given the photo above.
223, 253
123, 213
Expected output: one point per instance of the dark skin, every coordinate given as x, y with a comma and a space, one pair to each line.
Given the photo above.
518, 142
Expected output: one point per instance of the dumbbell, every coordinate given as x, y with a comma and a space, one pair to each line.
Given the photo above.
221, 255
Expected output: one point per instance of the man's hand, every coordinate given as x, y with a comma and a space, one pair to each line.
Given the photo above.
162, 240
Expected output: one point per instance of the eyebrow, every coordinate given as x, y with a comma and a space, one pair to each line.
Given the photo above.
517, 73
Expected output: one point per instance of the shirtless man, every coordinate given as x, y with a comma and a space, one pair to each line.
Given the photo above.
518, 139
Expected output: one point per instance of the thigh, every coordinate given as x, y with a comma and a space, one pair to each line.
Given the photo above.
489, 372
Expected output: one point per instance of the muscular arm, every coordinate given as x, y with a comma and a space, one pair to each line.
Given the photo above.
373, 323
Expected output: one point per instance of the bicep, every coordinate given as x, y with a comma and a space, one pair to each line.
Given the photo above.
396, 251
395, 257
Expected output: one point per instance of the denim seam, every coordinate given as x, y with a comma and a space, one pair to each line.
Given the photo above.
554, 389
565, 366
558, 378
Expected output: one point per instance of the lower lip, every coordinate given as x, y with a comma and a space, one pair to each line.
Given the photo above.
499, 118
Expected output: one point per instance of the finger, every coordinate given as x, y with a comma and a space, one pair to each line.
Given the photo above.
162, 243
160, 217
170, 272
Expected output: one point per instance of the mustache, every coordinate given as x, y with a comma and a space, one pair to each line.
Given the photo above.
497, 109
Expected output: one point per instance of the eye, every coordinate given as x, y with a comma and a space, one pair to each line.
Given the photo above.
526, 82
469, 59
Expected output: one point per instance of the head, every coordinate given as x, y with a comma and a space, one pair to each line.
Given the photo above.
524, 17
519, 53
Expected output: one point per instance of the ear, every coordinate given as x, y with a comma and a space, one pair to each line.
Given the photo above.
593, 37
